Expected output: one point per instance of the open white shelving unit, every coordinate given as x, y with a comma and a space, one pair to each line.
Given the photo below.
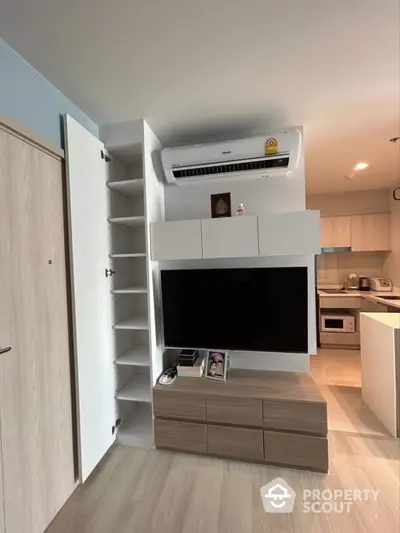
134, 190
115, 191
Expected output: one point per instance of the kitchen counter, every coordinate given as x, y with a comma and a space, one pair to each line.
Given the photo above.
373, 296
380, 367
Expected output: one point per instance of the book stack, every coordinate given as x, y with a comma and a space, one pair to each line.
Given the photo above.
190, 364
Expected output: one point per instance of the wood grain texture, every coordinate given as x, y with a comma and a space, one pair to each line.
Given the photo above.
335, 232
370, 232
295, 416
179, 404
252, 384
2, 502
336, 302
153, 491
30, 137
180, 435
237, 411
296, 450
238, 443
35, 381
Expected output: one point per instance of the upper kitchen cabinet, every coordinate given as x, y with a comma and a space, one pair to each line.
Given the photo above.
370, 233
335, 232
290, 233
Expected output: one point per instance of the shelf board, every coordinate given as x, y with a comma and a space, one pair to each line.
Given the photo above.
127, 187
115, 256
138, 389
130, 290
137, 428
136, 356
133, 322
130, 222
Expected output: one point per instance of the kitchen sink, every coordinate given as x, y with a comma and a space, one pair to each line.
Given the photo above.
390, 297
333, 291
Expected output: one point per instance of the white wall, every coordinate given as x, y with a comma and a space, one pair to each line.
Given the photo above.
350, 203
32, 101
274, 195
332, 268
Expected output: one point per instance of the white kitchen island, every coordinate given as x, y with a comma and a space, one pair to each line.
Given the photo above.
380, 367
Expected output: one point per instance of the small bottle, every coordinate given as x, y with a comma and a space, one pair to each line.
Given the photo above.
240, 210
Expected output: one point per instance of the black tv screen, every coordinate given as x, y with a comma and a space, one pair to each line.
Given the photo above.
249, 309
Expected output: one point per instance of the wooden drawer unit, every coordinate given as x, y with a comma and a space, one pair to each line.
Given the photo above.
259, 416
338, 302
238, 443
295, 450
181, 405
295, 416
183, 436
236, 411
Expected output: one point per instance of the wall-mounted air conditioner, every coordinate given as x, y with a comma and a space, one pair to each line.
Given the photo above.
257, 157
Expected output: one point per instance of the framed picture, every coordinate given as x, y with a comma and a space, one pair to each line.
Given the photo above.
216, 363
221, 205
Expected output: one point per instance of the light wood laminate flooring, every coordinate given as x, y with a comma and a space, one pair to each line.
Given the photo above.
338, 376
139, 491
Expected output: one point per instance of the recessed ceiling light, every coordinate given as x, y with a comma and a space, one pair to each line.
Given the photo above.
360, 166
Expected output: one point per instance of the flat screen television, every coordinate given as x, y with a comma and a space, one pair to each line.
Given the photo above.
247, 309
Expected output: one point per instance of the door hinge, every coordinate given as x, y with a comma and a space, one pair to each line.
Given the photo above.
109, 272
117, 423
105, 156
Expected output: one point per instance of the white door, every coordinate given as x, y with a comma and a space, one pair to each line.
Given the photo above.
87, 174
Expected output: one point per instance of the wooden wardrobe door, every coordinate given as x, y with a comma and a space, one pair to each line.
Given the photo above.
35, 379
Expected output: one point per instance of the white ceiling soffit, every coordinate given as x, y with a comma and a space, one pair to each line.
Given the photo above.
222, 68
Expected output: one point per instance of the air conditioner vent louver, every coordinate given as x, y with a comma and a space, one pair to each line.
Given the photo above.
232, 167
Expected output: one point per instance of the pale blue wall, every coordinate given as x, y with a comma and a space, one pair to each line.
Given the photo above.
32, 101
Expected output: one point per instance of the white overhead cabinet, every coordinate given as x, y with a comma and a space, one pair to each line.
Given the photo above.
113, 195
282, 234
335, 232
230, 237
176, 240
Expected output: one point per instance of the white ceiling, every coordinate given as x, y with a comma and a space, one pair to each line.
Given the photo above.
202, 70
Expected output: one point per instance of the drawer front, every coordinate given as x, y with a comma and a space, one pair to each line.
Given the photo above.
238, 443
237, 411
337, 302
345, 339
182, 436
295, 416
296, 450
172, 404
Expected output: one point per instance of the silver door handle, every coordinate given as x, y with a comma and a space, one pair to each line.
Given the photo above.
5, 350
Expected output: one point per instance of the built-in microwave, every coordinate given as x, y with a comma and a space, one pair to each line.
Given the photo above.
337, 322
